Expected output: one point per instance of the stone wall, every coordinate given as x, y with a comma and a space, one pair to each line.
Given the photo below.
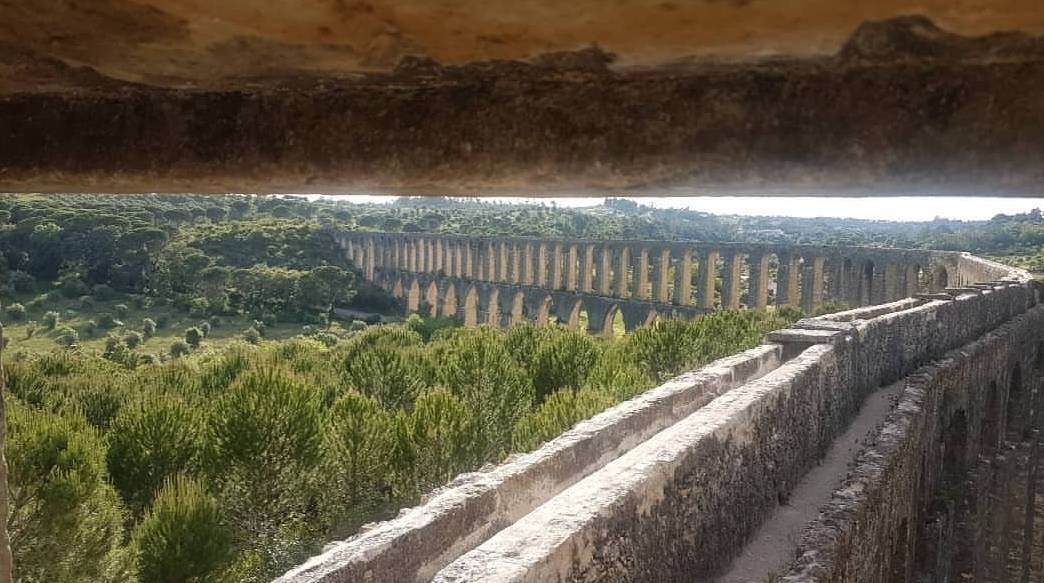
475, 506
683, 503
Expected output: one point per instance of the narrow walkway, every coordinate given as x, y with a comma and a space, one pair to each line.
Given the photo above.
772, 548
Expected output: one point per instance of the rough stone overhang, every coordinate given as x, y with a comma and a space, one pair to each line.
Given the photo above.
510, 97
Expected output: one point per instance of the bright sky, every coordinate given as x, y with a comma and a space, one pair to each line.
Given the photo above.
906, 208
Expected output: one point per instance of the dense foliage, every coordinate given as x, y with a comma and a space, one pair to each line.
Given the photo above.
235, 464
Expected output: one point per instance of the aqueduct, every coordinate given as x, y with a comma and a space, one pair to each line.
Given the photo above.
502, 281
896, 441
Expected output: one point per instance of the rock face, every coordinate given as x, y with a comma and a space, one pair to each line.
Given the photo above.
901, 107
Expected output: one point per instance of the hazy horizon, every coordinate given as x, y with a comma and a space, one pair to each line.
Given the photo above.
891, 208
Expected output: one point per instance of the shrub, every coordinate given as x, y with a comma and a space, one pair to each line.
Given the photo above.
443, 438
133, 339
480, 371
90, 327
103, 292
194, 337
391, 376
112, 344
66, 337
204, 327
357, 325
71, 286
15, 311
148, 328
66, 523
30, 329
50, 320
179, 348
121, 310
215, 321
358, 446
149, 442
107, 321
20, 281
86, 302
252, 336
558, 413
563, 359
198, 307
264, 442
183, 536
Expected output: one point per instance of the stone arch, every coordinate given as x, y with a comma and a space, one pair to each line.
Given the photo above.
614, 325
471, 307
449, 302
543, 312
940, 278
652, 317
583, 317
397, 289
431, 299
413, 296
573, 321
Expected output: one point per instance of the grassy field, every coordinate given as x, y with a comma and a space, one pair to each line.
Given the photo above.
172, 323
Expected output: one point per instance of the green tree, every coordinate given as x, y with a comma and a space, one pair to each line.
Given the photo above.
183, 538
149, 442
66, 523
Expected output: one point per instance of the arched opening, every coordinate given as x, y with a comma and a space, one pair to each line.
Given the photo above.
583, 319
397, 289
614, 323
651, 317
449, 302
518, 314
543, 314
989, 430
413, 297
940, 279
471, 308
574, 316
1015, 407
431, 299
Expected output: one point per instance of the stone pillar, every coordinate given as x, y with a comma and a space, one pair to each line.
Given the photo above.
527, 265
623, 263
708, 276
586, 268
879, 287
516, 263
812, 283
505, 263
757, 297
683, 278
913, 286
556, 266
570, 268
787, 280
605, 262
892, 285
541, 267
468, 254
732, 284
492, 256
370, 261
641, 278
661, 259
